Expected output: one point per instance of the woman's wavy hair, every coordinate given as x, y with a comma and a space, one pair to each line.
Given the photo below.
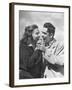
27, 37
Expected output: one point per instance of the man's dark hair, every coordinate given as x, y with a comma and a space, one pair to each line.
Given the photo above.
50, 28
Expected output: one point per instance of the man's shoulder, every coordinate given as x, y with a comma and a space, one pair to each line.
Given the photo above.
59, 43
59, 47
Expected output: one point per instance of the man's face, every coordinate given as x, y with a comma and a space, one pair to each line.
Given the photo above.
45, 35
36, 34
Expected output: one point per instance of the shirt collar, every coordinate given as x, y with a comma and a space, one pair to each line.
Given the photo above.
51, 43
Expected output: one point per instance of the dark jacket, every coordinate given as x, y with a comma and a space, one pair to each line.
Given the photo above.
30, 62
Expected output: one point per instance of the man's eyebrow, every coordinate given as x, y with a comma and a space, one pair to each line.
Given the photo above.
44, 32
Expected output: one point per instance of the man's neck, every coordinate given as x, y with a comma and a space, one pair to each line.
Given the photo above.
50, 42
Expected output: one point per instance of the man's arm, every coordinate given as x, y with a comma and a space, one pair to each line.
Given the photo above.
57, 57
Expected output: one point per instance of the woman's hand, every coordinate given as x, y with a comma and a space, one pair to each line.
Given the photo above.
41, 47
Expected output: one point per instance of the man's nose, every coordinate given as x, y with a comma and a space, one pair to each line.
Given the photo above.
42, 36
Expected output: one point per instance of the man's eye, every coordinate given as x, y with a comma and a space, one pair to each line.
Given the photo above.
37, 33
44, 33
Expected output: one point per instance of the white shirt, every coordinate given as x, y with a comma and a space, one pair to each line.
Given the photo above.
55, 55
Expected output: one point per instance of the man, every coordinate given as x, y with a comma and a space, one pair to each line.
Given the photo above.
30, 58
54, 53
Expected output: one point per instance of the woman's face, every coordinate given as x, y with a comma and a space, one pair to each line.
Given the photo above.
36, 34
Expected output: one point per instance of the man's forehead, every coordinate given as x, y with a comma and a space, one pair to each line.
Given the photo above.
44, 30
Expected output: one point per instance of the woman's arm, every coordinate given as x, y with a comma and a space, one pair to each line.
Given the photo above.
35, 58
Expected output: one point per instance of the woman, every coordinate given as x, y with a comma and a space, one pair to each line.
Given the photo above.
30, 64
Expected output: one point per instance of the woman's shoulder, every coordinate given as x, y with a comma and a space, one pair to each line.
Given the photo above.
25, 48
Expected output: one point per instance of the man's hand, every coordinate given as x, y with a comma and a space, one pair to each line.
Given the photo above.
50, 58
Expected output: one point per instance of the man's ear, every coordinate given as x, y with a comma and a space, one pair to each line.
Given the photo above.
51, 35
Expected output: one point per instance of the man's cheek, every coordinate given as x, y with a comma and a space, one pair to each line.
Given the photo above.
37, 38
44, 37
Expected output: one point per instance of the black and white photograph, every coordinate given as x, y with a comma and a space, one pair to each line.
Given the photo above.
41, 45
41, 53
